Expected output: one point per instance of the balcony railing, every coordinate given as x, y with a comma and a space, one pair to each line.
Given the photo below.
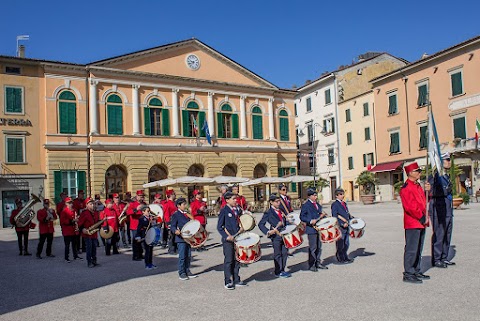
463, 145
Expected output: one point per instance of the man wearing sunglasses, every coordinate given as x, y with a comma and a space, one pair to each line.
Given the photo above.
441, 213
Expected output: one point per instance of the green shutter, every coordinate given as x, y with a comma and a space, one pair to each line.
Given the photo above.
57, 183
422, 95
15, 150
284, 134
280, 172
14, 100
457, 84
293, 186
234, 126
364, 160
81, 180
394, 143
119, 120
423, 137
165, 122
147, 121
115, 120
392, 104
324, 127
328, 98
257, 126
347, 115
459, 130
367, 133
220, 125
67, 117
349, 138
365, 109
333, 125
185, 124
201, 121
350, 162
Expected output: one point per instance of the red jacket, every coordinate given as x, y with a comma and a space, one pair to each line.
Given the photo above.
119, 209
79, 204
60, 207
86, 220
112, 218
169, 208
414, 205
242, 202
45, 226
223, 202
199, 216
12, 221
66, 222
134, 215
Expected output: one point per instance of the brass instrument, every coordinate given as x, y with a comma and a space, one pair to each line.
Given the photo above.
49, 214
106, 232
26, 214
123, 216
76, 222
95, 227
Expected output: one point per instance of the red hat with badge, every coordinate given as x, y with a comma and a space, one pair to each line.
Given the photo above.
170, 192
412, 167
108, 201
196, 192
158, 195
68, 200
89, 200
140, 192
115, 195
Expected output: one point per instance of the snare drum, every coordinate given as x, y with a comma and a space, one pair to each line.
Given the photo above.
153, 236
194, 234
291, 237
356, 228
294, 218
328, 229
247, 221
247, 248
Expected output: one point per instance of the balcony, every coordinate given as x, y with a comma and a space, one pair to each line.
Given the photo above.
466, 146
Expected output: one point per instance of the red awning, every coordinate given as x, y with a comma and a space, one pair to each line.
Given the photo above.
386, 167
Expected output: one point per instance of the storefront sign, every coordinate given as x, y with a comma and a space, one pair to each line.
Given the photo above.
15, 122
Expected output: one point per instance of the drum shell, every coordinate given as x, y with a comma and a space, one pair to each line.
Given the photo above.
293, 238
153, 236
195, 238
328, 229
355, 231
250, 253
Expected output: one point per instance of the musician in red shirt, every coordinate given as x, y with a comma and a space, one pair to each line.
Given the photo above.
169, 208
119, 207
22, 232
198, 208
45, 218
69, 224
79, 205
111, 217
61, 204
241, 201
221, 199
88, 218
134, 214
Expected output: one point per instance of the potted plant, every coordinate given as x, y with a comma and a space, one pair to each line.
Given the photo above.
454, 172
321, 183
396, 187
367, 181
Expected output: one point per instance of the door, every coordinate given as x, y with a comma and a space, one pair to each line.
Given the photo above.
333, 186
8, 201
352, 191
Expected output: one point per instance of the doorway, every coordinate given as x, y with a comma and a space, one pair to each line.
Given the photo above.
333, 186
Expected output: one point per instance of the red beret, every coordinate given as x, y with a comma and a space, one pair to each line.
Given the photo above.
108, 201
140, 193
158, 195
89, 200
68, 200
196, 192
412, 167
46, 201
115, 195
169, 192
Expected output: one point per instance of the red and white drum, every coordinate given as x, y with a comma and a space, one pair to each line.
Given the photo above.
356, 228
248, 221
194, 234
294, 218
291, 237
247, 248
328, 229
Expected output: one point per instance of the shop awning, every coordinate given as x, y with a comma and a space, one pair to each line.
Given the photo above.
386, 167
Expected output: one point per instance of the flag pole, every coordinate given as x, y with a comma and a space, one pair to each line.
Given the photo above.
428, 149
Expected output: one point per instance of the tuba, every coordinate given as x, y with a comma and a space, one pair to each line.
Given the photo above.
26, 214
95, 227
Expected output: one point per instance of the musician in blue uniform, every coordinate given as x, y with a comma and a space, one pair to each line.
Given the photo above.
340, 211
178, 220
144, 223
310, 214
285, 202
229, 226
277, 222
441, 214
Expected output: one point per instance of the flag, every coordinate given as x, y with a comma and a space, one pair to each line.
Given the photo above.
477, 129
433, 146
23, 37
195, 127
207, 132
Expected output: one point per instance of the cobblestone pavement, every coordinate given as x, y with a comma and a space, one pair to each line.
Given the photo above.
369, 289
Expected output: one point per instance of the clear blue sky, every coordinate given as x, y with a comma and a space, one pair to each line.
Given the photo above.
285, 42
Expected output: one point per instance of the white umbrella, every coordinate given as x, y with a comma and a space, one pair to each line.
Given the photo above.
160, 183
184, 181
265, 180
300, 178
229, 179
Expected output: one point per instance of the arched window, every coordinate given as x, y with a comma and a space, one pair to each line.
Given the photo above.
284, 132
157, 119
114, 115
67, 113
193, 120
257, 123
115, 180
227, 123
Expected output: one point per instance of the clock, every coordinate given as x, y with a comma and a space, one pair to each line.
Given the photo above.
193, 62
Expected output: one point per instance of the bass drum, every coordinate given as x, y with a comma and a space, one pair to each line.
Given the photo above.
156, 209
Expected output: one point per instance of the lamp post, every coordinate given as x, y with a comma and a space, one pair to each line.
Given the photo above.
301, 134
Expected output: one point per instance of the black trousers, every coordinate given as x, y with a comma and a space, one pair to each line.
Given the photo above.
231, 266
343, 244
137, 249
172, 245
22, 246
314, 250
280, 254
441, 237
43, 237
70, 241
148, 253
112, 242
165, 234
413, 250
129, 234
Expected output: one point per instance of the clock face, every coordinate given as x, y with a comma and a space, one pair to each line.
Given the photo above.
193, 62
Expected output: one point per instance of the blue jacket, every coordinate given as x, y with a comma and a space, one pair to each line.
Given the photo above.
339, 210
308, 213
286, 206
272, 218
178, 220
441, 199
142, 226
229, 220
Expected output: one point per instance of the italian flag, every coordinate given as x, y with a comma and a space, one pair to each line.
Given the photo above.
477, 129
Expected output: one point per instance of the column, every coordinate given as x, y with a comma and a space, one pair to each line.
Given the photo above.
93, 111
243, 118
135, 110
211, 114
176, 131
271, 128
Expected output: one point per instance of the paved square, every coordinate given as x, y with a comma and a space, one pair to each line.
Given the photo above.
369, 289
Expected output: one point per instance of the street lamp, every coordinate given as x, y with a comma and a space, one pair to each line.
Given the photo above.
301, 134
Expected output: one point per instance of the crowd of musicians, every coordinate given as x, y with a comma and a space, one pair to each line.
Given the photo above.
127, 222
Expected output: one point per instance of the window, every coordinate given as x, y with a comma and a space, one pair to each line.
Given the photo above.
394, 143
365, 109
295, 108
422, 95
114, 115
331, 156
157, 119
459, 130
13, 100
368, 159
392, 104
192, 121
69, 182
286, 172
284, 130
423, 137
457, 83
15, 149
347, 115
12, 70
310, 134
350, 162
329, 125
227, 122
367, 133
309, 104
257, 123
349, 138
67, 113
328, 97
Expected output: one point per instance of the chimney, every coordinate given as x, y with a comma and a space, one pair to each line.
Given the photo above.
21, 51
